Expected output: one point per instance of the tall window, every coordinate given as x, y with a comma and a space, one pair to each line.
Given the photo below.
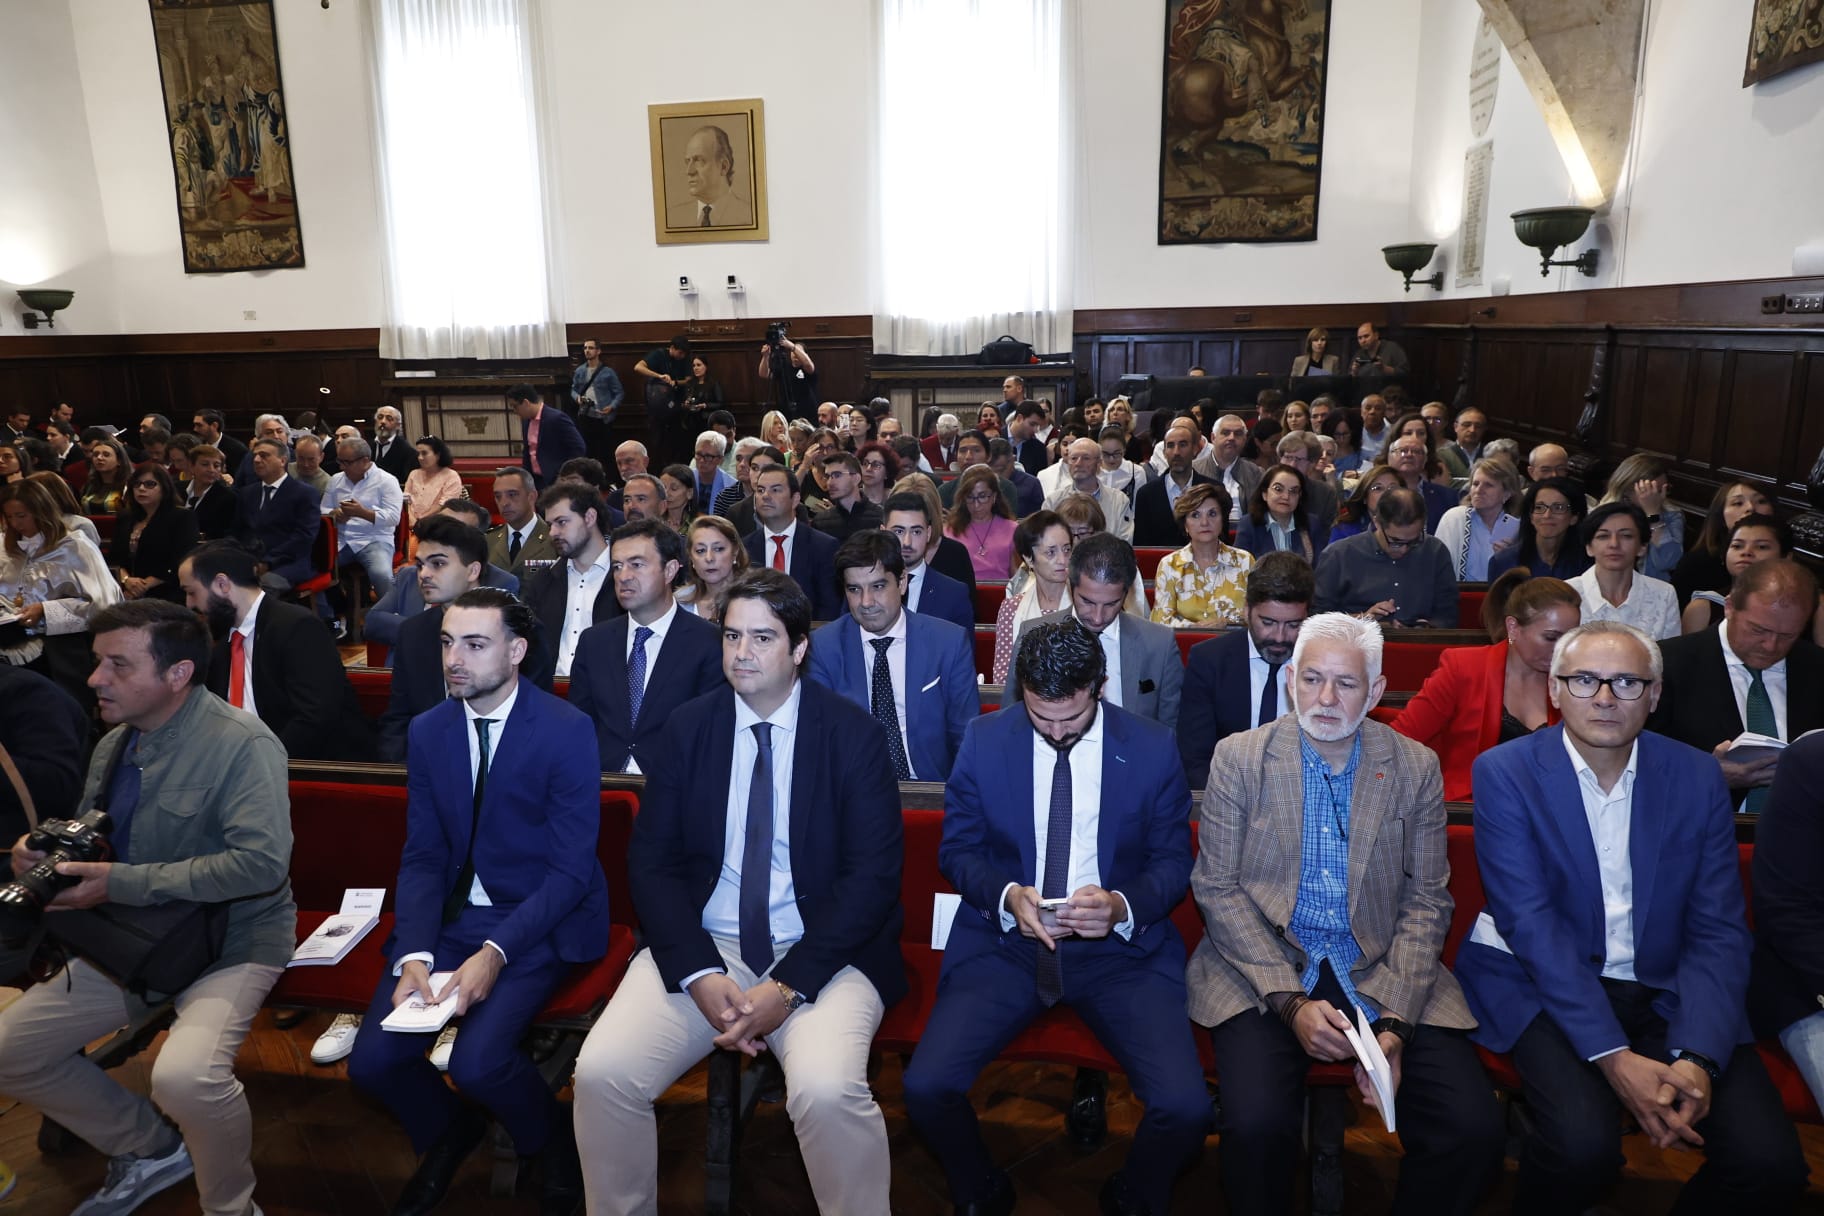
975, 131
467, 225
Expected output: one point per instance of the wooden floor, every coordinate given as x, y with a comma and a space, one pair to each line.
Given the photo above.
320, 1148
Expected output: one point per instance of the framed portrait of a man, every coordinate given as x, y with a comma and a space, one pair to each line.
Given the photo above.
708, 171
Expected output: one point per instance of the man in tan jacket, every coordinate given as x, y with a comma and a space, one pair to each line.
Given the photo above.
1321, 877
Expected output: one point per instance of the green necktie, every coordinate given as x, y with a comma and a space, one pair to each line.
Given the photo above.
1760, 721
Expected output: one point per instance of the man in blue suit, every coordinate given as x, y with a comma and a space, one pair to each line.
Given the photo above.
783, 542
549, 436
499, 884
929, 592
1612, 957
915, 674
708, 476
631, 672
1110, 951
765, 867
1232, 682
281, 513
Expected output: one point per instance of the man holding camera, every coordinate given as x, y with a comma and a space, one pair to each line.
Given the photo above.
196, 792
788, 363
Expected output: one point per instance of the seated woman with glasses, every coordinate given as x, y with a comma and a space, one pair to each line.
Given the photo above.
1083, 515
879, 470
1615, 536
1481, 696
1356, 515
52, 581
155, 532
1549, 540
980, 520
1041, 585
1278, 517
1205, 584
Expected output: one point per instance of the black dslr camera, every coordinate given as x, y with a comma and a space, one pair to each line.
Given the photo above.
775, 333
22, 900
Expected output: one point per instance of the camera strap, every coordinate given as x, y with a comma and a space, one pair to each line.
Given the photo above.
19, 787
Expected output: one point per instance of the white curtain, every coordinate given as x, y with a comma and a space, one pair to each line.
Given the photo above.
468, 228
975, 152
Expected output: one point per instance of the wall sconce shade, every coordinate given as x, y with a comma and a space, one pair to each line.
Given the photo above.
44, 300
1549, 229
1410, 259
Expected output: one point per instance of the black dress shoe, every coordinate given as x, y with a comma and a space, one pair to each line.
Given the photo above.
998, 1201
429, 1183
562, 1168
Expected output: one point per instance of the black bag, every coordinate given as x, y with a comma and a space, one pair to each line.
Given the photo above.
1005, 350
160, 949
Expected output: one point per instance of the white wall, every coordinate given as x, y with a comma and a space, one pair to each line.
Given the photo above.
1721, 183
1366, 168
51, 232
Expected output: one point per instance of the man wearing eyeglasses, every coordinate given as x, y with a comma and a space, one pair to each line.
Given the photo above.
1394, 573
1612, 955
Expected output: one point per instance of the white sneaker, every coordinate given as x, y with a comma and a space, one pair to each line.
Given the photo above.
446, 1043
336, 1042
133, 1180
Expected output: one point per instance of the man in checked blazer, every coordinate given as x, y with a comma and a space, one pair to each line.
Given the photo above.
1321, 879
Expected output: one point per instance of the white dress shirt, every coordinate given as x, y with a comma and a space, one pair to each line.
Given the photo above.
1258, 669
378, 491
524, 534
1231, 483
659, 628
245, 629
1610, 816
722, 914
1111, 652
896, 670
580, 589
1773, 678
915, 586
767, 547
1085, 819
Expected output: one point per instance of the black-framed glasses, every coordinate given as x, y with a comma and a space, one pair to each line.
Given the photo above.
1551, 508
1583, 686
145, 485
1395, 544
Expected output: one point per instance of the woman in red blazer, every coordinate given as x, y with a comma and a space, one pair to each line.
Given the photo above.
1481, 696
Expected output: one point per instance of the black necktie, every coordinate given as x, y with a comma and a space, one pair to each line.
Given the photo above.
266, 497
512, 546
705, 220
1269, 696
458, 898
757, 859
880, 704
1057, 875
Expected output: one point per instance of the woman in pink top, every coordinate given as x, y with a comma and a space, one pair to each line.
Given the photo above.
430, 485
981, 521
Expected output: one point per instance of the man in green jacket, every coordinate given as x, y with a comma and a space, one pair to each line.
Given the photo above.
201, 812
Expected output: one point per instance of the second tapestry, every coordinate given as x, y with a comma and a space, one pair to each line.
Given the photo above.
1241, 139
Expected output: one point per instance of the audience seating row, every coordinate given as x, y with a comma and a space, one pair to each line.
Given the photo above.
989, 595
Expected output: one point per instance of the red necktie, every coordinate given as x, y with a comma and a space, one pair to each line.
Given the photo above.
237, 668
778, 552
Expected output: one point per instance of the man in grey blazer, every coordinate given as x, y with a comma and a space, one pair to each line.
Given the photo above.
1321, 877
1145, 669
1222, 461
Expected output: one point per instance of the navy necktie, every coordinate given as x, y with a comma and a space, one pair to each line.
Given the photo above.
458, 898
266, 497
1269, 696
757, 859
636, 674
880, 704
1057, 875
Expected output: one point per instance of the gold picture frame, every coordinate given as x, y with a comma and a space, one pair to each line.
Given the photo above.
708, 171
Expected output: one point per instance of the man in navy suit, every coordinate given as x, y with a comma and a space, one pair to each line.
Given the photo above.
549, 435
915, 674
929, 592
1111, 951
281, 513
630, 673
765, 867
783, 542
499, 884
1612, 957
1232, 682
450, 556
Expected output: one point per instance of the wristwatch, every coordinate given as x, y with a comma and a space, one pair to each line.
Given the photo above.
1393, 1026
793, 997
1705, 1063
1652, 519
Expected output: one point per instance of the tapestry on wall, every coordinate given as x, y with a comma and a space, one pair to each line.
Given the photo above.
1786, 33
218, 61
1241, 137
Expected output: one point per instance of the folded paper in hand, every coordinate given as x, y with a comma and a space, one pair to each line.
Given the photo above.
1751, 746
413, 1016
1374, 1063
335, 937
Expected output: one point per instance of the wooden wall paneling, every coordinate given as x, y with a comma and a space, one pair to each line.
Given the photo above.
1752, 430
1266, 356
1708, 366
1810, 439
1109, 364
1162, 356
1216, 356
1795, 462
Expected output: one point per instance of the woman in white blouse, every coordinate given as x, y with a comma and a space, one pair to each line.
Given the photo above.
1482, 526
1615, 535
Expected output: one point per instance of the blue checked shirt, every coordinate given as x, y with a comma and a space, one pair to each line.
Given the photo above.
1320, 918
